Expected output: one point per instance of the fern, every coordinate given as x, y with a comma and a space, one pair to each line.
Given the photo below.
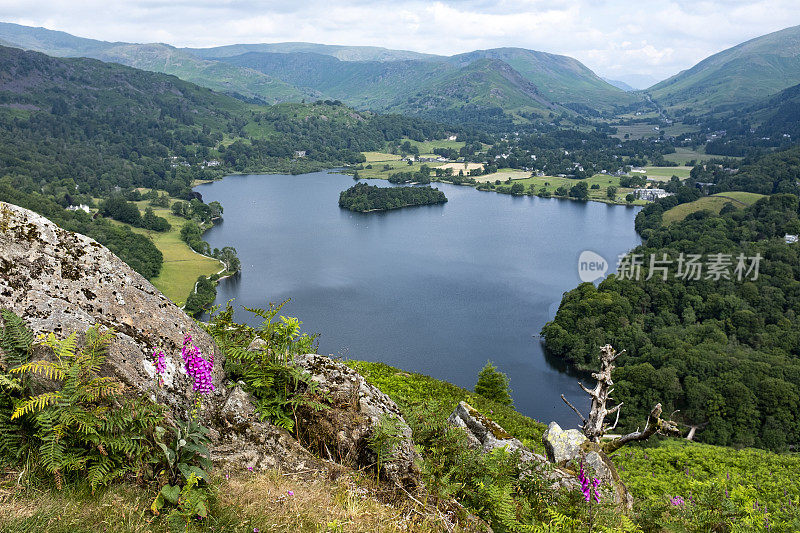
15, 340
85, 426
15, 346
279, 387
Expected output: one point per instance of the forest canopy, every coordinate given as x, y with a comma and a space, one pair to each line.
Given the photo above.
363, 198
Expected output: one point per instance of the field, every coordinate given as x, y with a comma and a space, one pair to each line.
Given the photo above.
713, 203
427, 147
665, 173
465, 167
379, 160
182, 265
551, 183
395, 165
380, 156
503, 174
684, 155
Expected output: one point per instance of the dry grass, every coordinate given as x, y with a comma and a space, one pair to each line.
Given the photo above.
245, 501
462, 166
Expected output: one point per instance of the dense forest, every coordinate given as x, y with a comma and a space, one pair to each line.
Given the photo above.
362, 197
724, 349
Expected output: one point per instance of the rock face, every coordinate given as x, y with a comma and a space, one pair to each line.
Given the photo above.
341, 432
64, 282
562, 445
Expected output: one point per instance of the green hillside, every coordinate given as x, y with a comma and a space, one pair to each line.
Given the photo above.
561, 79
367, 84
215, 75
484, 83
745, 73
713, 203
465, 86
157, 58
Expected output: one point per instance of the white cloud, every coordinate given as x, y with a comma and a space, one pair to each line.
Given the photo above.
616, 38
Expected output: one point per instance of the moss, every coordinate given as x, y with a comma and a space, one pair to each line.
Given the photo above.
497, 431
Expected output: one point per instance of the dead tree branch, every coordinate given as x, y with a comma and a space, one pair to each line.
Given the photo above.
655, 424
594, 427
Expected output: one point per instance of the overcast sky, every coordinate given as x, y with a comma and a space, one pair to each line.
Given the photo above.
618, 39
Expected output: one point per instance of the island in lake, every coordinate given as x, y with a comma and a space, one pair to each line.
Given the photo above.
364, 198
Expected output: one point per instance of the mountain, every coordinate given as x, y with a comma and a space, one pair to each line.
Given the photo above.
215, 75
484, 83
619, 84
344, 53
367, 84
561, 79
740, 75
512, 80
157, 58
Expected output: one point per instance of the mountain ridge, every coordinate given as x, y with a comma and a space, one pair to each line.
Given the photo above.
742, 74
391, 75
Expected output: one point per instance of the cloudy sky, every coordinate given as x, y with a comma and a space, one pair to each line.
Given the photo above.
634, 41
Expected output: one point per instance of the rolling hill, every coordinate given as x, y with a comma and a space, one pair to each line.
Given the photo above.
156, 58
345, 53
743, 74
561, 79
511, 80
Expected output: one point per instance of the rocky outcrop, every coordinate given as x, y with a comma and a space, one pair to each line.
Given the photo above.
343, 430
487, 435
63, 282
562, 445
565, 450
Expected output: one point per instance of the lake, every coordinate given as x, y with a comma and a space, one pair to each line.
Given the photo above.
432, 289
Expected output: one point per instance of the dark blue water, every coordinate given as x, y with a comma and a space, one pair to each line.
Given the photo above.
433, 289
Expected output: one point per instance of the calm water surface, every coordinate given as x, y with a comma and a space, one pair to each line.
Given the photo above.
432, 289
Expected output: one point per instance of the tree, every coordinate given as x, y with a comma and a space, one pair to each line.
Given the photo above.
611, 192
215, 209
630, 198
493, 385
580, 191
229, 258
517, 189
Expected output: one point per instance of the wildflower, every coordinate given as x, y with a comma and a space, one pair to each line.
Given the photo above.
197, 367
256, 530
290, 493
589, 488
227, 476
677, 501
250, 468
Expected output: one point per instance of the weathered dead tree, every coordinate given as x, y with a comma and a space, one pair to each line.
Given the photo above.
594, 427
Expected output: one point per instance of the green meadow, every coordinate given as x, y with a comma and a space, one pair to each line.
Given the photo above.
182, 265
713, 203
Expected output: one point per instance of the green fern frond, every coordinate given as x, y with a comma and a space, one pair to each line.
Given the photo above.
15, 340
35, 404
48, 369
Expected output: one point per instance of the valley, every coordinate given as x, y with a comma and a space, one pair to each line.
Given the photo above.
250, 285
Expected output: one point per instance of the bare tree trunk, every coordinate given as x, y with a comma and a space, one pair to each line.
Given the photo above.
594, 427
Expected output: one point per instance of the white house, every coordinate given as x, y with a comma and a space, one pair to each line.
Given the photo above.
651, 194
790, 239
